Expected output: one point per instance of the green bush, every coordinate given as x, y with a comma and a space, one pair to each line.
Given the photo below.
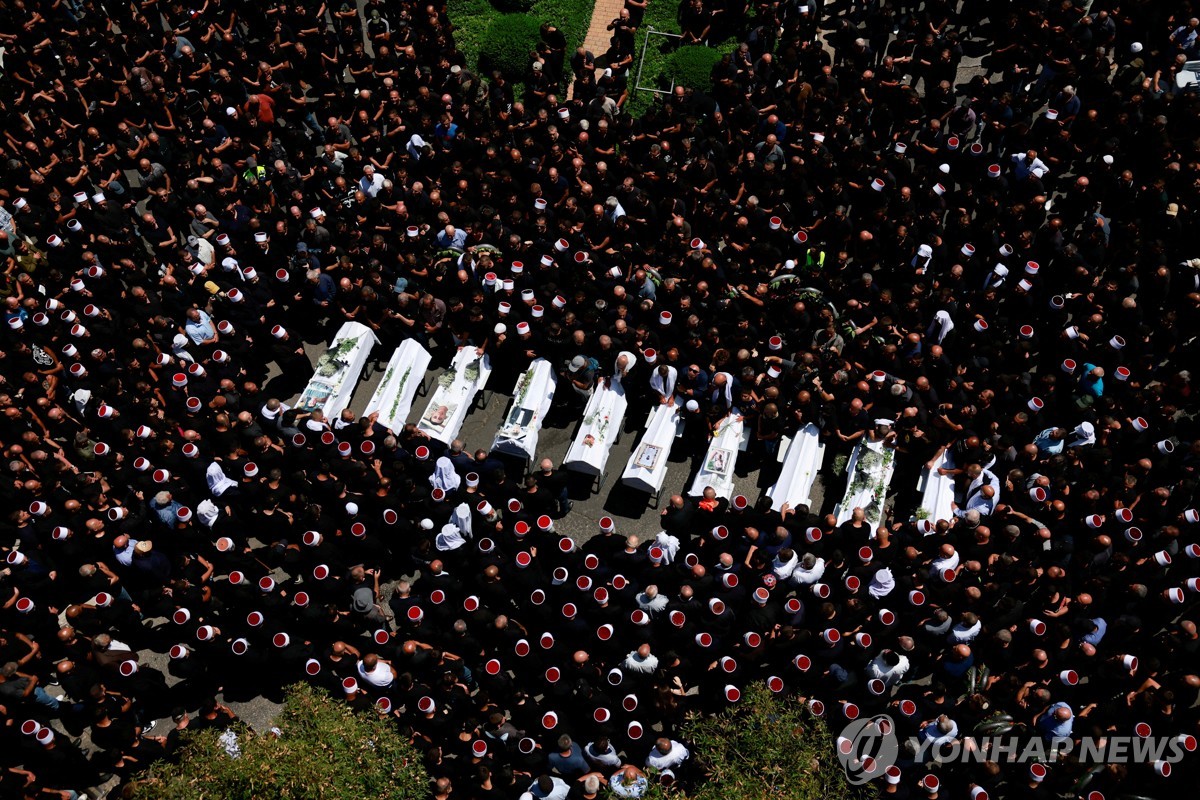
766, 746
514, 6
692, 66
324, 751
506, 46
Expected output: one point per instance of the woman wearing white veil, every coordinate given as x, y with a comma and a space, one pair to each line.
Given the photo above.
218, 481
444, 477
941, 326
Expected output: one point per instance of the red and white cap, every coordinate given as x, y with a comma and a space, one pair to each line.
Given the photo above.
930, 783
205, 632
732, 693
615, 676
426, 705
1037, 627
704, 639
740, 502
550, 720
1037, 772
184, 514
892, 775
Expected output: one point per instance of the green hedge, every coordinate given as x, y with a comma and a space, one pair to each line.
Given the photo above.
324, 751
473, 20
692, 66
507, 44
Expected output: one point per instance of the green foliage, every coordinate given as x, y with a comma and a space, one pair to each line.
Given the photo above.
472, 20
508, 43
324, 752
692, 66
767, 746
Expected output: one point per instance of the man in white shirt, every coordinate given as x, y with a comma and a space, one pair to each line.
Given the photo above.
601, 753
376, 672
667, 755
966, 629
889, 667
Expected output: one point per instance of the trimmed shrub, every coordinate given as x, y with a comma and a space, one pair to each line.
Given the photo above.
508, 43
692, 66
514, 6
324, 751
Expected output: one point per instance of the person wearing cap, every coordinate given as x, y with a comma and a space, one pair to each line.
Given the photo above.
580, 373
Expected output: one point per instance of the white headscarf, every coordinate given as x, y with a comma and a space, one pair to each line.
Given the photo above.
449, 539
882, 584
630, 364
1084, 434
669, 545
461, 517
444, 477
415, 145
728, 388
218, 481
941, 326
665, 387
208, 512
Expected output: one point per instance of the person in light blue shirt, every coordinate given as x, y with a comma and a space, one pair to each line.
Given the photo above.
1056, 722
1050, 441
1099, 627
199, 327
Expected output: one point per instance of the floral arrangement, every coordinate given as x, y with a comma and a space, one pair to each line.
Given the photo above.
399, 393
333, 359
522, 389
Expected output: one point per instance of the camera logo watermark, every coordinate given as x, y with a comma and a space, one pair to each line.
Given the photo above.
866, 748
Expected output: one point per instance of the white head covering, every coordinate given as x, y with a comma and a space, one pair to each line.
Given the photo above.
629, 365
450, 538
179, 348
415, 143
882, 584
444, 477
665, 387
1084, 434
208, 512
669, 545
941, 326
728, 393
461, 517
218, 481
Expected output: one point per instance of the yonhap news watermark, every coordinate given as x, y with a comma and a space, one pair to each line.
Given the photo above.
867, 748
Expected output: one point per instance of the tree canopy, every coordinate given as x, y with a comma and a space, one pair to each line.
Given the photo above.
323, 751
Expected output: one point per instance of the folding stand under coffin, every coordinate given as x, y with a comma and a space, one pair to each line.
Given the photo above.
647, 467
599, 430
532, 396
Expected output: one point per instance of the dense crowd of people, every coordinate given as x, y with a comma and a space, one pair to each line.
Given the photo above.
838, 234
